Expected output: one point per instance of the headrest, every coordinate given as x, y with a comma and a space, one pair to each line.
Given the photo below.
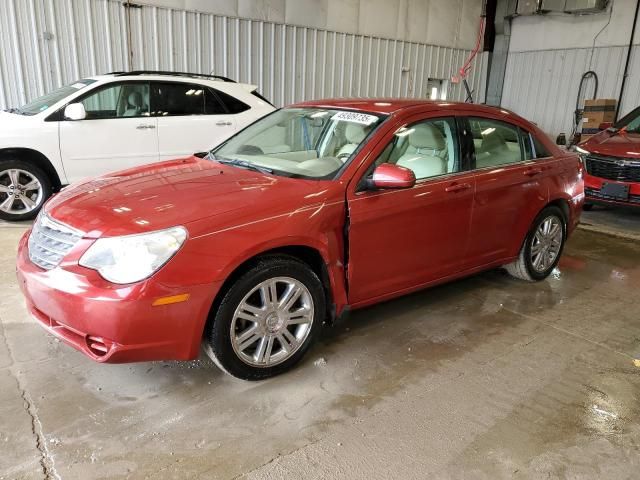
355, 133
135, 99
427, 136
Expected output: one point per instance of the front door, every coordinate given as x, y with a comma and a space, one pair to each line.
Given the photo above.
118, 132
191, 119
402, 239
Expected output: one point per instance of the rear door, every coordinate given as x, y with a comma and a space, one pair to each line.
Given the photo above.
191, 118
118, 132
511, 188
401, 239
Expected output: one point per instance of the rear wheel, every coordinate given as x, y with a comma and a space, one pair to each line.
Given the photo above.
23, 190
267, 320
542, 247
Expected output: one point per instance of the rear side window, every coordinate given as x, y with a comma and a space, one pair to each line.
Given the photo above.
232, 104
178, 99
540, 150
496, 143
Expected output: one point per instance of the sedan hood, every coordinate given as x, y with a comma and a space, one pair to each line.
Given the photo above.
624, 145
177, 192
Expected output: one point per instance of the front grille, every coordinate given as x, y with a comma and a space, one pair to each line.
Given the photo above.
50, 241
613, 168
591, 193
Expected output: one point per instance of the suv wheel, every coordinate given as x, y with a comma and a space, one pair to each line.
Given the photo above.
23, 190
267, 320
542, 248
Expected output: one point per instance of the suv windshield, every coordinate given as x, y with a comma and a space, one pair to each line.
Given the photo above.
42, 103
300, 142
631, 121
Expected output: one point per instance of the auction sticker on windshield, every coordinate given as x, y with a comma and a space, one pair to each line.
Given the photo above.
354, 117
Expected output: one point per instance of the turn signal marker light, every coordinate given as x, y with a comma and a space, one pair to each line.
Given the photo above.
183, 297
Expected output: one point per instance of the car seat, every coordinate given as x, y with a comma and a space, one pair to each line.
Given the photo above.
135, 105
423, 155
355, 134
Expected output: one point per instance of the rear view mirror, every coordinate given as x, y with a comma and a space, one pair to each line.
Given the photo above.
75, 111
388, 175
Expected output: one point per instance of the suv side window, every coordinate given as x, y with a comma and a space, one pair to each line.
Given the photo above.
496, 143
118, 100
178, 99
232, 104
429, 148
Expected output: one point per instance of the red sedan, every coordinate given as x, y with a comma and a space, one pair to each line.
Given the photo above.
316, 209
612, 160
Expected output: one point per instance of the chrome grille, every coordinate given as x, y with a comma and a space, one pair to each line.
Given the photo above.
50, 241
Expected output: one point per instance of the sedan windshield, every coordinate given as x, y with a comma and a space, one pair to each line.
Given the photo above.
299, 142
631, 121
42, 103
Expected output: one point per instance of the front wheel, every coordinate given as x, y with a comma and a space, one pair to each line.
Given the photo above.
267, 320
542, 247
23, 190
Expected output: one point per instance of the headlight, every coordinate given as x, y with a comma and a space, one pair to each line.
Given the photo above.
581, 151
131, 258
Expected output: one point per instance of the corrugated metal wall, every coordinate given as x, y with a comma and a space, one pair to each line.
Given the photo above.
48, 43
542, 85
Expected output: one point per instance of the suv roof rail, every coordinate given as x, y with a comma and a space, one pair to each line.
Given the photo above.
175, 74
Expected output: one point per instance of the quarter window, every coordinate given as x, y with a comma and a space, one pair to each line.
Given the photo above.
429, 148
496, 143
232, 104
118, 101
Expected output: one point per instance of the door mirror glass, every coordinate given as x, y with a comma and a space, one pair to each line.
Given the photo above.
75, 111
388, 175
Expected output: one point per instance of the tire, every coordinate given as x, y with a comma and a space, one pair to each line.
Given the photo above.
587, 207
531, 269
246, 308
26, 204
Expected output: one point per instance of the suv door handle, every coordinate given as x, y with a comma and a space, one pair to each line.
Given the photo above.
145, 127
532, 172
223, 123
457, 187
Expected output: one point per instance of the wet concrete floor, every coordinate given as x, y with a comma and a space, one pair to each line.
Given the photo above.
484, 378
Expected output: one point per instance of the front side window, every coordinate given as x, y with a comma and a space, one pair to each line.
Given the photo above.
43, 103
303, 142
429, 148
496, 143
118, 100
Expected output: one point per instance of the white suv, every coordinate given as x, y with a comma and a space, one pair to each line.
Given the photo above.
112, 122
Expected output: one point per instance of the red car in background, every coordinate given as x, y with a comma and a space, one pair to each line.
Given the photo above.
313, 210
612, 161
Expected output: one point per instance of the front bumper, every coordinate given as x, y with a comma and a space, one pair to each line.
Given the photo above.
114, 323
593, 185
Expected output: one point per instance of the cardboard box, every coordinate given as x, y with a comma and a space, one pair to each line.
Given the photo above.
598, 111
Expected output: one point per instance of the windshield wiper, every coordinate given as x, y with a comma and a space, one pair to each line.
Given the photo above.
243, 164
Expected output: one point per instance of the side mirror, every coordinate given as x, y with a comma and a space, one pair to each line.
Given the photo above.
605, 125
75, 111
388, 175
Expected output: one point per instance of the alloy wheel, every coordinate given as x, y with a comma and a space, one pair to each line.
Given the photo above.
546, 243
272, 322
20, 191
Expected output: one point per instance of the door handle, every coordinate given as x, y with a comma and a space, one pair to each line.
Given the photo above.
223, 123
532, 172
145, 127
457, 187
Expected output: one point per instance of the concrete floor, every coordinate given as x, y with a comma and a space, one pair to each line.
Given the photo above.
484, 378
624, 222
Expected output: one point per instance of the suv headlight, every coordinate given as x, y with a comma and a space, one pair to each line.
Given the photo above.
131, 258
